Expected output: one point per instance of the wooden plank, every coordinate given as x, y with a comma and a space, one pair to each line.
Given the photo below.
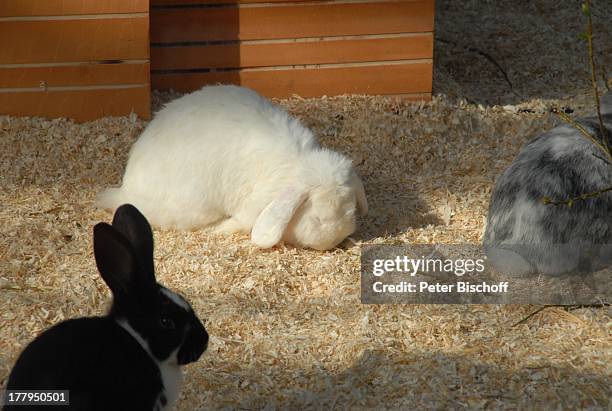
406, 78
290, 21
77, 75
290, 53
166, 3
81, 105
13, 8
74, 40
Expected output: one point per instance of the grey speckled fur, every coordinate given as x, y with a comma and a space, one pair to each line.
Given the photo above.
523, 235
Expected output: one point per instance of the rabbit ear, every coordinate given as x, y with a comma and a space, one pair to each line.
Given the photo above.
134, 226
273, 220
362, 201
115, 259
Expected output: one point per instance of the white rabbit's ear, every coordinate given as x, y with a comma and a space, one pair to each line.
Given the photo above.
362, 201
273, 220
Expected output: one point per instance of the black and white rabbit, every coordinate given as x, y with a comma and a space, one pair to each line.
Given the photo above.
525, 236
131, 358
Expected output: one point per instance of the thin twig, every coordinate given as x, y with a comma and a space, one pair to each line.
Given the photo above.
586, 9
584, 131
604, 145
602, 159
583, 197
534, 313
579, 306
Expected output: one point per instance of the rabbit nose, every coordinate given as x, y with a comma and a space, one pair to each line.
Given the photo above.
194, 345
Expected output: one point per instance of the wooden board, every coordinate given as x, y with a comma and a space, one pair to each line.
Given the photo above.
80, 105
74, 75
281, 48
293, 20
178, 3
80, 59
74, 40
331, 50
408, 78
21, 8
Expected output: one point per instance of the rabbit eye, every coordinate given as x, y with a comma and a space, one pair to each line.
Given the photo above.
166, 323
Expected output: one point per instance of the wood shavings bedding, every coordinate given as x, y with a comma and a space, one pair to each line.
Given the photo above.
287, 328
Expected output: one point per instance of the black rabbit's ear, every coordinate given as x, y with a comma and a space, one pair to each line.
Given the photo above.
115, 259
134, 226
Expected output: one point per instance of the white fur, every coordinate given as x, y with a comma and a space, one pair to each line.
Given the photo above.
172, 377
171, 373
526, 217
176, 299
222, 155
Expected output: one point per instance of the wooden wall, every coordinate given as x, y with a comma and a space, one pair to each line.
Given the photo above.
86, 59
81, 59
285, 47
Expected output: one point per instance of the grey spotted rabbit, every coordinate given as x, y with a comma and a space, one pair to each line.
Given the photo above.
525, 236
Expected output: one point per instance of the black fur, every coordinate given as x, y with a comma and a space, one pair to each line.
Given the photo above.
76, 355
103, 366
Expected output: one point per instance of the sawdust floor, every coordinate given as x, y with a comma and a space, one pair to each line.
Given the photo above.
287, 327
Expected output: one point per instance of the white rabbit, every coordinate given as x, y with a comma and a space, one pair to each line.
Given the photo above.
225, 155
